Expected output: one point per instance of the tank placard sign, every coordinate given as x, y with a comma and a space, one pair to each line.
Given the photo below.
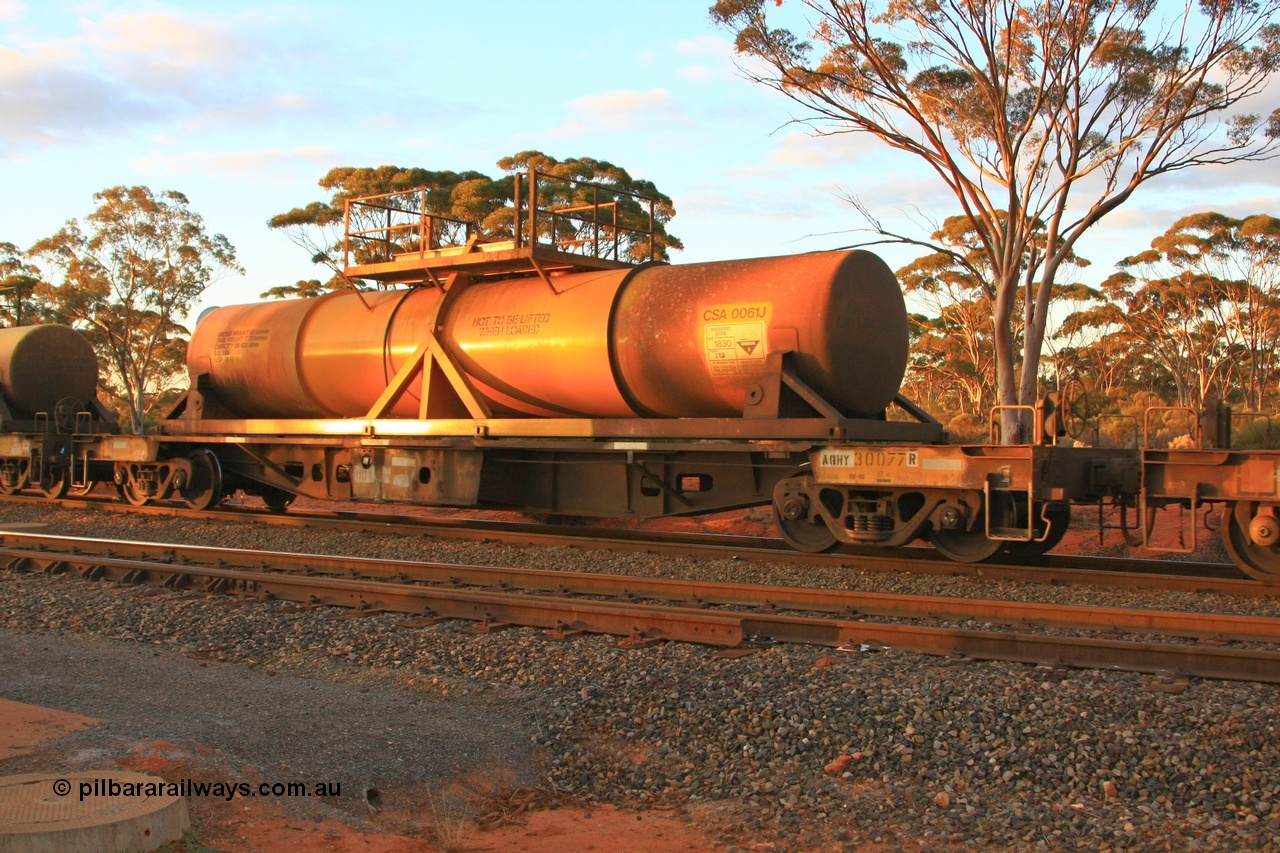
736, 337
231, 344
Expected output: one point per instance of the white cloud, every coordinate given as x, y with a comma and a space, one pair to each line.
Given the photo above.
706, 47
144, 45
44, 103
621, 111
11, 10
802, 203
715, 58
119, 73
250, 112
270, 161
815, 152
696, 72
751, 172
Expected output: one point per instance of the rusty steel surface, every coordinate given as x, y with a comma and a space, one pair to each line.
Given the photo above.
42, 365
1131, 620
487, 260
175, 568
675, 341
1104, 572
841, 312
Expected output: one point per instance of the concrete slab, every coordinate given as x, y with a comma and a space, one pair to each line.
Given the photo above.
91, 812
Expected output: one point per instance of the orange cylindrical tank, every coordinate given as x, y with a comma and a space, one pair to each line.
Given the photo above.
41, 366
656, 340
694, 338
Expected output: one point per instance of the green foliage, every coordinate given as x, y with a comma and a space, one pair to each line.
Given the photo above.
1261, 433
1040, 118
19, 303
124, 278
301, 289
483, 203
954, 345
1201, 306
1197, 313
586, 169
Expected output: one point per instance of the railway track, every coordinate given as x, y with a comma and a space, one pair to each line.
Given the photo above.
1188, 576
648, 610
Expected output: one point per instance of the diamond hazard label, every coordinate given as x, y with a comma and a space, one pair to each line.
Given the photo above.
734, 337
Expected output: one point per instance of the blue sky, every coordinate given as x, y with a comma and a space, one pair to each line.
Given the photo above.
243, 106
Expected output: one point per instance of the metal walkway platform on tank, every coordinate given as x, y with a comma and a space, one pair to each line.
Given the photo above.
483, 260
393, 239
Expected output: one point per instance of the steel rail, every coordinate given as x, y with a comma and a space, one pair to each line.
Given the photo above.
1187, 576
1264, 629
644, 622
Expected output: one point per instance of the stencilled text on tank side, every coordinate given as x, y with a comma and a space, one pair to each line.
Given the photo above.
231, 344
735, 337
501, 325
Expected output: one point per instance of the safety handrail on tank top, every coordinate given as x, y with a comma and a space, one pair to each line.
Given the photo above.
395, 226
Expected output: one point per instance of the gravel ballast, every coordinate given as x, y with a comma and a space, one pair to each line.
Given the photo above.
926, 751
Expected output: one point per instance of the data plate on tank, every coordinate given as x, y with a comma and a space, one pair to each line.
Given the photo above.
735, 337
14, 445
234, 344
896, 466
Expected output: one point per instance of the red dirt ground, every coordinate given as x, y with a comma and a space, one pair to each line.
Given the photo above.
264, 826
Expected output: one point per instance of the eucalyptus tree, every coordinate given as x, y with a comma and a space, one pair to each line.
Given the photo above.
485, 204
1180, 321
126, 277
19, 303
1050, 112
1242, 257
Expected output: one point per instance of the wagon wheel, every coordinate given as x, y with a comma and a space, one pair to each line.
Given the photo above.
801, 528
810, 535
1258, 561
203, 489
1059, 515
54, 482
83, 489
130, 493
967, 546
18, 485
128, 490
277, 500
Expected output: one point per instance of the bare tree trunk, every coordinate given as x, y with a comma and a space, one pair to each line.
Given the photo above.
1037, 322
1006, 377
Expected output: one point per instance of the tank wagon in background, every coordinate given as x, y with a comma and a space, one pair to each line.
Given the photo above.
50, 416
550, 375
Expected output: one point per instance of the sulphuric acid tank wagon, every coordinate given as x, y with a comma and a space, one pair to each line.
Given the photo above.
655, 341
43, 366
548, 373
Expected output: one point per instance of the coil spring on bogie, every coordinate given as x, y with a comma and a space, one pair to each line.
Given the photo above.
869, 523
